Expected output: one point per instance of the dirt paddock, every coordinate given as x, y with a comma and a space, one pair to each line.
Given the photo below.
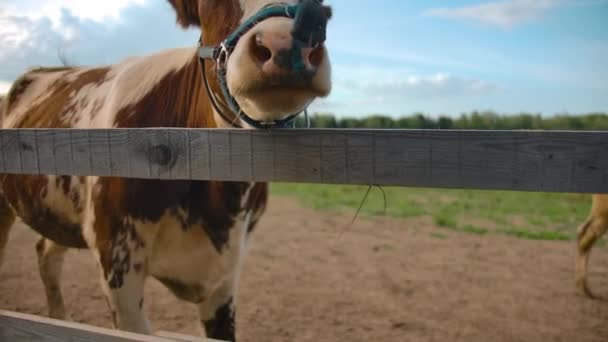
383, 280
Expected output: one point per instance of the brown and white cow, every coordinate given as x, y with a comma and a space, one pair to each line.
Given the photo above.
589, 232
190, 235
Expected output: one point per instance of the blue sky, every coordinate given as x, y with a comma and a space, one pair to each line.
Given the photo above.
389, 56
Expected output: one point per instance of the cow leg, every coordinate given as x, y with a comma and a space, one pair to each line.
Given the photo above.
125, 298
126, 304
50, 262
588, 233
7, 219
123, 279
217, 315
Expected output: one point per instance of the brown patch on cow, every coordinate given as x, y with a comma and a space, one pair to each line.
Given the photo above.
64, 182
50, 112
256, 202
44, 192
178, 100
2, 107
221, 326
18, 88
23, 193
124, 249
45, 70
219, 18
212, 205
187, 292
138, 267
187, 12
258, 197
40, 246
181, 218
76, 202
222, 205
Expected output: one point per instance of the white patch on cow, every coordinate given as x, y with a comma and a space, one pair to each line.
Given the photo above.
242, 248
58, 201
87, 103
126, 84
227, 289
88, 219
177, 254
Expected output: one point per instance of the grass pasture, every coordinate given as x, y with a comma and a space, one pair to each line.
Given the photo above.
529, 215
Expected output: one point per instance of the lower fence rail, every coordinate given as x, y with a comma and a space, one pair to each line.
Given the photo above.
19, 327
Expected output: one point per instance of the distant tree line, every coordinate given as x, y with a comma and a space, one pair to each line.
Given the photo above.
473, 120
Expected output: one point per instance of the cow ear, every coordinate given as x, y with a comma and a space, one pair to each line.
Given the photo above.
187, 12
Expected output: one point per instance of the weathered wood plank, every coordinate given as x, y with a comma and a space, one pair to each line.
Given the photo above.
81, 152
263, 156
180, 159
504, 160
11, 153
219, 155
121, 151
62, 149
23, 327
46, 151
240, 154
29, 150
100, 152
200, 164
181, 337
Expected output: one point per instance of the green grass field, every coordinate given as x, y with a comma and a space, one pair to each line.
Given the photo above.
530, 215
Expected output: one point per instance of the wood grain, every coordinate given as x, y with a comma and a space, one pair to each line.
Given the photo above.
547, 161
23, 327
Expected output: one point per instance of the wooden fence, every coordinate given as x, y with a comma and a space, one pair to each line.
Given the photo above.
20, 327
503, 160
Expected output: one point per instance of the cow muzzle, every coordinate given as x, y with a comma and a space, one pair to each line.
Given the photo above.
282, 55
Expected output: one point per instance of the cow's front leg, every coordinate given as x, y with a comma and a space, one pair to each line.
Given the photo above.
217, 314
126, 302
123, 279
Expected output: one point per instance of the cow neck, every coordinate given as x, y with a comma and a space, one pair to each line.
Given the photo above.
178, 99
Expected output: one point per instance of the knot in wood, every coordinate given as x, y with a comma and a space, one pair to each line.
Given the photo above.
161, 155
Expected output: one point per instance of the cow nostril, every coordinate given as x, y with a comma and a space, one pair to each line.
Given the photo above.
316, 56
259, 51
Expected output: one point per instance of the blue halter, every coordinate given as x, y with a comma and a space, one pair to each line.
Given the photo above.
304, 13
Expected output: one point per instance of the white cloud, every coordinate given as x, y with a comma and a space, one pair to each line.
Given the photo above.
504, 13
27, 41
371, 88
4, 87
381, 82
439, 85
93, 10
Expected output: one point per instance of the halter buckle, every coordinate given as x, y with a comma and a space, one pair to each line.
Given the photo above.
222, 56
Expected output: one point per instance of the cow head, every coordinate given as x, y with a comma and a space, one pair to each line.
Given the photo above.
260, 74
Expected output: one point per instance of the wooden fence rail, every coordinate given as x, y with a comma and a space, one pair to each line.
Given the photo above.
507, 160
19, 327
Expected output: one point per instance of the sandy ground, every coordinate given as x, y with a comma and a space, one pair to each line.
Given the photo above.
383, 280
